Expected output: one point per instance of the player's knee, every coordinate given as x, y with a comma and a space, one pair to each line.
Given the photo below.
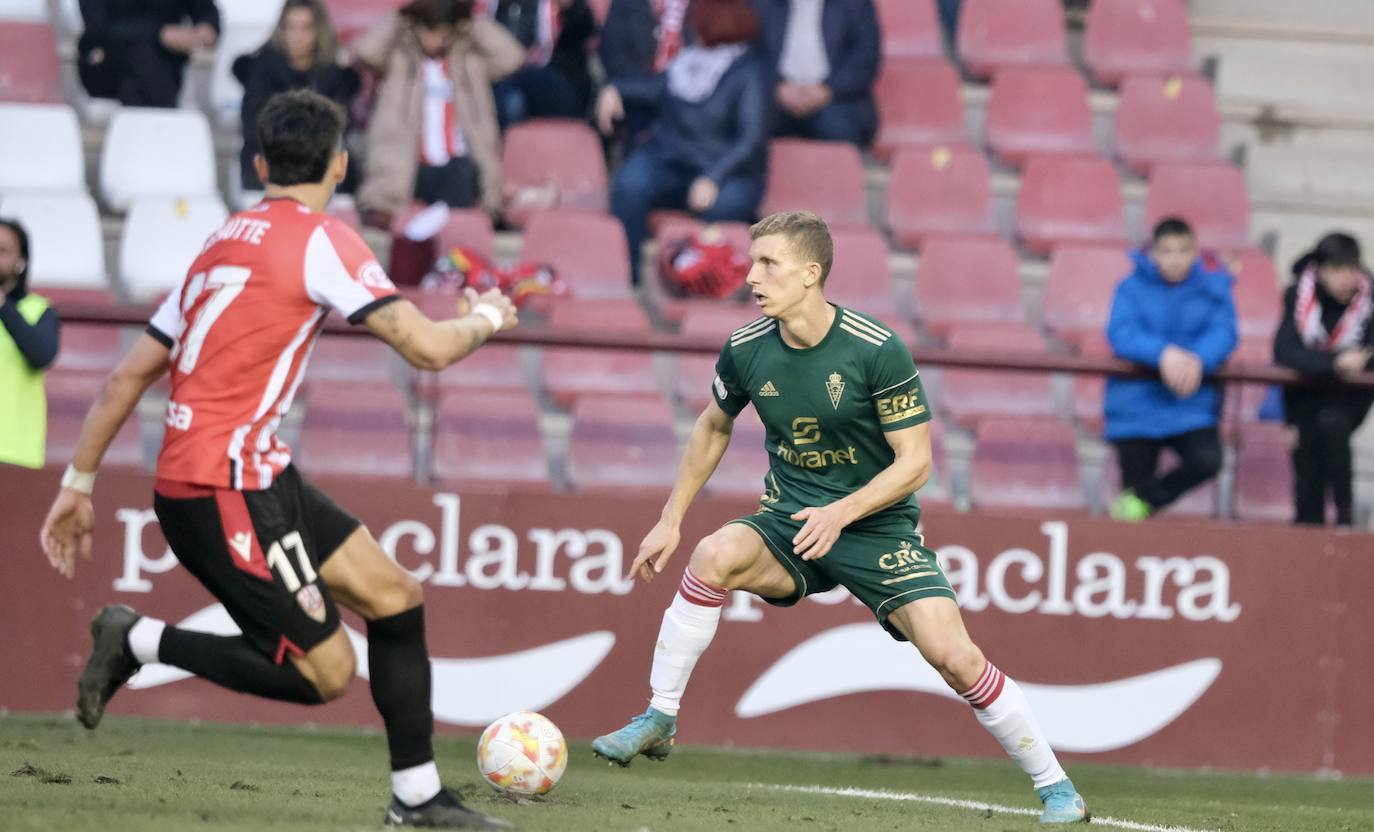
399, 594
959, 661
718, 563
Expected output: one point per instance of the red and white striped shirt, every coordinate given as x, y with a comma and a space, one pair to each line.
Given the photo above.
441, 137
241, 326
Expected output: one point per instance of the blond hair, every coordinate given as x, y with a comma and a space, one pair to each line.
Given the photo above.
808, 237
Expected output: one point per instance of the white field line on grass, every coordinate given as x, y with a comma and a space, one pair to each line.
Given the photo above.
976, 805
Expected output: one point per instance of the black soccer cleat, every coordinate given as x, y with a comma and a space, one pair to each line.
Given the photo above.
443, 811
110, 665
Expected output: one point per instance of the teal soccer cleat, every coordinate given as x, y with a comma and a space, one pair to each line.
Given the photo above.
650, 733
1063, 804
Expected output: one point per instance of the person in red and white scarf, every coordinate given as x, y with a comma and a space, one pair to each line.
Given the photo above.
638, 40
1327, 331
556, 80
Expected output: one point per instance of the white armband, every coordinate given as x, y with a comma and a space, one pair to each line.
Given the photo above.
78, 480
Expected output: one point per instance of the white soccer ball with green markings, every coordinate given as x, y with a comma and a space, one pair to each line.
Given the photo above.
522, 753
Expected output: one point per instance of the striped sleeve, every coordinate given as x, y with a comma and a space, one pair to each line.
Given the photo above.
341, 273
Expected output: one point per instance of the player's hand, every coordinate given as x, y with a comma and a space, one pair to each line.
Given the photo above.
702, 195
819, 532
68, 529
655, 549
610, 108
494, 297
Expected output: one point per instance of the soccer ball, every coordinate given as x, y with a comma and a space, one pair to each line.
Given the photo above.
522, 753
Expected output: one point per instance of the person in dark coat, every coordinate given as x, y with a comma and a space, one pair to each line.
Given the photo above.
824, 57
136, 50
301, 54
638, 40
1326, 332
556, 80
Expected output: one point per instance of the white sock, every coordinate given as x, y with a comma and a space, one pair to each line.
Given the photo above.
689, 624
1002, 708
144, 638
417, 784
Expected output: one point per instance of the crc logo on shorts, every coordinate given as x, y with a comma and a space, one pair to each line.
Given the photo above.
312, 602
905, 564
373, 276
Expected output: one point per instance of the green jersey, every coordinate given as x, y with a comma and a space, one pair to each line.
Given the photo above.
825, 408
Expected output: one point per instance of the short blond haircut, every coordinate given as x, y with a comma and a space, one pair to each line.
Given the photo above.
808, 237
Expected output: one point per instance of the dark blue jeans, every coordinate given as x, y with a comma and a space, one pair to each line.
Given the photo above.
536, 92
647, 182
839, 121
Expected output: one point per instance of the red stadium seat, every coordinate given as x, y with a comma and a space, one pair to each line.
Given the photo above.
469, 227
1026, 463
920, 102
564, 154
494, 367
1088, 388
355, 429
622, 442
825, 177
861, 277
968, 280
997, 33
1166, 120
1264, 473
489, 435
1069, 199
910, 29
343, 358
570, 372
970, 395
1243, 400
353, 17
942, 190
1211, 197
1038, 110
712, 322
1136, 36
588, 251
70, 396
1259, 299
31, 71
1078, 292
87, 347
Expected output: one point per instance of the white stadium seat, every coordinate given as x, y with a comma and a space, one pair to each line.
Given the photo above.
162, 237
40, 149
68, 17
24, 11
65, 242
148, 152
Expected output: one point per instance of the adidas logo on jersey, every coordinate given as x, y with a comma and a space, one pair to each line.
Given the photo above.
768, 389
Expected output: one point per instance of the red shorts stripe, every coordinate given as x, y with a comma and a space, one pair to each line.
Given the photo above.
285, 646
239, 536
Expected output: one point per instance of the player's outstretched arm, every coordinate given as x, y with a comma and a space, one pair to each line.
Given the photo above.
433, 345
909, 471
71, 519
710, 437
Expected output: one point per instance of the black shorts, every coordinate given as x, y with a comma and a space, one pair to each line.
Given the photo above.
259, 553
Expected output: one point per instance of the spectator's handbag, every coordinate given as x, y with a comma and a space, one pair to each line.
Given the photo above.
702, 265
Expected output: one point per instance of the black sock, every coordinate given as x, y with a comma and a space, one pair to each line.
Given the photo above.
398, 663
231, 662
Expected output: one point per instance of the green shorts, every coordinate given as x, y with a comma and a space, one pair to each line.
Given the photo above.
886, 566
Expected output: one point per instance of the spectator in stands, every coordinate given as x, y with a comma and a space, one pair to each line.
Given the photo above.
1174, 313
28, 345
639, 39
556, 80
707, 148
433, 135
1327, 332
824, 55
301, 54
136, 50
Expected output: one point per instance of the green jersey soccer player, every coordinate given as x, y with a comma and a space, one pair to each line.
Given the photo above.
848, 443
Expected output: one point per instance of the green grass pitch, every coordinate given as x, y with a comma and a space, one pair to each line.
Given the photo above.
136, 774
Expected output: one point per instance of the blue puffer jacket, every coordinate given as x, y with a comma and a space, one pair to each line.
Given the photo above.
1148, 314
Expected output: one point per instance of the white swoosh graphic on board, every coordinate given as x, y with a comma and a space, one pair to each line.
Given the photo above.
466, 691
857, 658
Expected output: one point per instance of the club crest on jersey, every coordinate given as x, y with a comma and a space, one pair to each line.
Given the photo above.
312, 602
374, 276
835, 387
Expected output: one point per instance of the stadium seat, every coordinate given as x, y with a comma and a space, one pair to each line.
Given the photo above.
1211, 197
494, 367
23, 11
569, 372
941, 190
1038, 110
564, 154
745, 464
157, 153
40, 149
342, 359
162, 237
1166, 120
1025, 463
1264, 473
968, 280
910, 29
622, 442
1259, 299
31, 71
353, 17
1242, 401
997, 33
1136, 36
970, 395
70, 395
66, 244
1069, 199
88, 348
470, 227
588, 251
1079, 289
1088, 388
860, 277
357, 429
825, 177
712, 323
489, 435
920, 102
